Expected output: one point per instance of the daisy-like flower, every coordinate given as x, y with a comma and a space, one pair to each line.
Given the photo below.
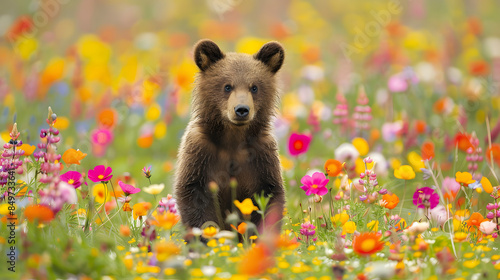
367, 244
315, 184
128, 189
100, 193
100, 174
154, 189
73, 178
333, 167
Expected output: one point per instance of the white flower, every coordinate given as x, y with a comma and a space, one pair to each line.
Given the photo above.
381, 166
487, 227
154, 189
345, 152
417, 228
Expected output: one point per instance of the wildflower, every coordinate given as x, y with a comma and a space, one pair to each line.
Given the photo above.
107, 118
487, 187
166, 220
73, 156
166, 249
28, 149
100, 193
475, 219
128, 189
462, 141
241, 229
154, 189
427, 150
416, 161
361, 145
367, 244
349, 227
141, 209
493, 153
102, 137
464, 178
147, 171
100, 174
315, 184
73, 178
41, 213
246, 206
298, 144
425, 198
450, 188
333, 167
346, 152
307, 229
256, 261
487, 227
124, 230
417, 228
210, 232
404, 172
340, 219
390, 201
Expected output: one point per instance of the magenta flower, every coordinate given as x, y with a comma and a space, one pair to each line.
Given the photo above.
315, 184
73, 178
100, 174
298, 144
102, 137
307, 229
128, 189
425, 198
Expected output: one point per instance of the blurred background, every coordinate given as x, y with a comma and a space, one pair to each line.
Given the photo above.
119, 74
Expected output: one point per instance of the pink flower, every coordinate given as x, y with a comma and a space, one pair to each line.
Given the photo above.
100, 174
102, 137
487, 227
397, 83
73, 178
425, 198
315, 184
128, 189
298, 144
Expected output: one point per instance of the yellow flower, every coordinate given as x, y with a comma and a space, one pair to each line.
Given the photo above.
341, 218
100, 193
404, 172
464, 178
164, 250
373, 225
141, 209
210, 232
154, 189
416, 161
246, 206
28, 149
460, 236
487, 187
471, 263
349, 227
361, 145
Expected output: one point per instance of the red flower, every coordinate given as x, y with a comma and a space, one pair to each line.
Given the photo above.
463, 142
22, 25
494, 152
298, 144
427, 150
479, 68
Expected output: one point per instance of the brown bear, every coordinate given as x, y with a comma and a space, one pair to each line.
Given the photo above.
229, 136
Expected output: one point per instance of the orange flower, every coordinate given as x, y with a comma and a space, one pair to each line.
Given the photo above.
391, 200
141, 209
38, 212
107, 118
479, 68
124, 230
462, 141
464, 178
333, 167
256, 261
28, 149
475, 219
166, 220
145, 141
285, 243
241, 229
494, 152
367, 243
73, 156
427, 150
420, 126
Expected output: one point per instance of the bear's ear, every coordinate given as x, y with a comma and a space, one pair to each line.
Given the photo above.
206, 53
271, 54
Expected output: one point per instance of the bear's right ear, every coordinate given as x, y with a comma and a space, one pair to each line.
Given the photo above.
206, 53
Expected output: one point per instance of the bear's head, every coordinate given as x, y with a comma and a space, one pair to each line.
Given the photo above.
236, 89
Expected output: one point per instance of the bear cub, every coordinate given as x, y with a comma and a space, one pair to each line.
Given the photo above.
229, 136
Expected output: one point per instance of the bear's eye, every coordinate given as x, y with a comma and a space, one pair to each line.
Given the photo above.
254, 89
228, 88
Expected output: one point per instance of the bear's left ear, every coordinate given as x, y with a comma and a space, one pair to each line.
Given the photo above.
272, 55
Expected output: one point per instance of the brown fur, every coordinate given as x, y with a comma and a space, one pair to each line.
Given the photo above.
218, 146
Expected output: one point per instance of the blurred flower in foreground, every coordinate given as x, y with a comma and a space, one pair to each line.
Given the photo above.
41, 213
256, 261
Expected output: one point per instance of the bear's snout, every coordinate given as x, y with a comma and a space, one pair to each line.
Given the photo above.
242, 111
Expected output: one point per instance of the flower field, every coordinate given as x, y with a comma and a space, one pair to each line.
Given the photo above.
388, 131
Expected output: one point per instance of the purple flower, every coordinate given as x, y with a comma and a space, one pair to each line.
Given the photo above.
307, 229
128, 189
73, 178
315, 184
425, 198
100, 174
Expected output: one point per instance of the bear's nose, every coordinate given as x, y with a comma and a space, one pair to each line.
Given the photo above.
242, 110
